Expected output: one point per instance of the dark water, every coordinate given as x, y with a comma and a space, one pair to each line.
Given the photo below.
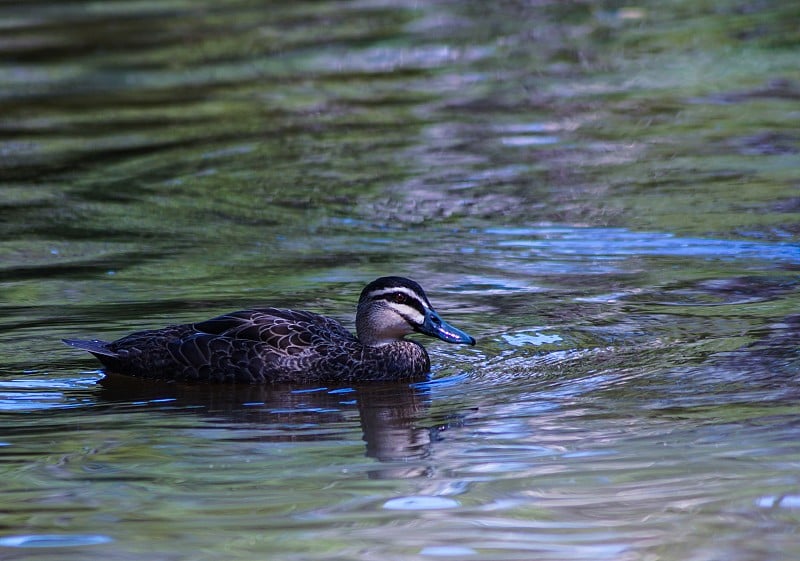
605, 194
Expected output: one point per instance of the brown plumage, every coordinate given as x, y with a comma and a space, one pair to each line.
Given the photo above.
279, 345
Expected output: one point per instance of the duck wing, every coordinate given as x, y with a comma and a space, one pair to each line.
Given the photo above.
267, 344
287, 331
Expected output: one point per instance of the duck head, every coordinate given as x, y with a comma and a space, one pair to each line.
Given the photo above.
392, 307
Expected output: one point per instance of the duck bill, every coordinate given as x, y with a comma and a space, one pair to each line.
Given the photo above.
435, 326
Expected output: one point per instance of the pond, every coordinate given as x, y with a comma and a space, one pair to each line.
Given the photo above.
605, 194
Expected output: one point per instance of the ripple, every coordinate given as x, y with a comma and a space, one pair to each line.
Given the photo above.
447, 551
782, 501
529, 140
525, 338
54, 540
621, 242
35, 394
420, 502
29, 401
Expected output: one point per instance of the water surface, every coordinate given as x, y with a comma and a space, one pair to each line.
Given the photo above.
605, 195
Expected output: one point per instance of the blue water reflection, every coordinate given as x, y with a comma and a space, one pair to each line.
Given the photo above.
600, 243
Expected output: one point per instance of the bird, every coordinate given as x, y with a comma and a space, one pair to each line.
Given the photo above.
278, 345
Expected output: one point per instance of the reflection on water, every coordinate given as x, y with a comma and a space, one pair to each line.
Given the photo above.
30, 394
609, 207
389, 414
600, 243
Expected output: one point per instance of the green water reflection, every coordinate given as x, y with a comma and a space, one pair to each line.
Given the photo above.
605, 194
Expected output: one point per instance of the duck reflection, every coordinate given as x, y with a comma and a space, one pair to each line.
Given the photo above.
391, 415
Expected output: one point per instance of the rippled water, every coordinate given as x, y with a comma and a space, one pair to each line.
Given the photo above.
604, 194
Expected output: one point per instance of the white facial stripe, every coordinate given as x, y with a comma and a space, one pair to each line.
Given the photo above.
410, 314
407, 291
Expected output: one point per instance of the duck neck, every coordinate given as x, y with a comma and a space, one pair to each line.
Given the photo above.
399, 360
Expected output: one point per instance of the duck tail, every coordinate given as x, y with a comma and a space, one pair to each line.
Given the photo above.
95, 346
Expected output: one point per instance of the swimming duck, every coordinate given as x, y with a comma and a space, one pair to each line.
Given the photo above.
278, 345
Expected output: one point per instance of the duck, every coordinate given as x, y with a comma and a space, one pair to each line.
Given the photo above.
278, 345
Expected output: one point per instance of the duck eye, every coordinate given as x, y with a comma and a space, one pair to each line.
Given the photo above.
399, 297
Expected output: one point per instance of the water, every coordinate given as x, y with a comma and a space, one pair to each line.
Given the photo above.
604, 194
